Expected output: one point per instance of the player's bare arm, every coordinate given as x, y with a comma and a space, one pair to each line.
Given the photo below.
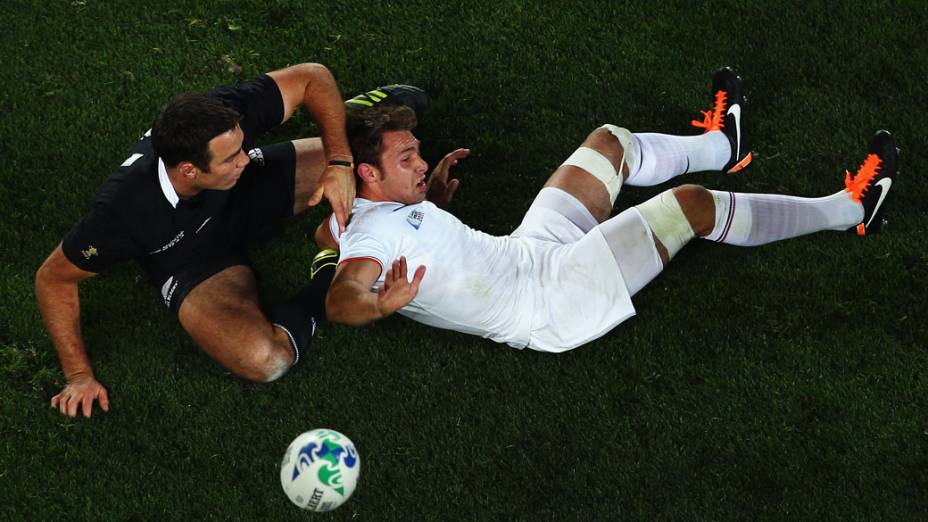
323, 236
56, 291
314, 86
350, 300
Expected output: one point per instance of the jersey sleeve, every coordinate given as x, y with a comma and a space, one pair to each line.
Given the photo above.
357, 246
333, 227
260, 103
98, 242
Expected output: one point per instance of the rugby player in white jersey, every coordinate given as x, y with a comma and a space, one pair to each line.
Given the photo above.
567, 274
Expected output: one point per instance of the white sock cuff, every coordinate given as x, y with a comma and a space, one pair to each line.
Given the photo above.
725, 207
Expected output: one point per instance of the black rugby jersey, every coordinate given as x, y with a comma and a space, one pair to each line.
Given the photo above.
133, 215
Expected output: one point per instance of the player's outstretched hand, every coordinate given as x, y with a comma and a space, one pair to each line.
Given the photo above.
80, 392
337, 186
440, 190
397, 291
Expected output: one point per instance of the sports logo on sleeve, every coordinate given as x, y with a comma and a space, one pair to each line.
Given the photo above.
415, 218
90, 252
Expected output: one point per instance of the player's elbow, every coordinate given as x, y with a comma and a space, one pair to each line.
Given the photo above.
41, 274
45, 276
333, 310
339, 308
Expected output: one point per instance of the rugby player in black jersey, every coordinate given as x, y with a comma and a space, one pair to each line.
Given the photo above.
185, 202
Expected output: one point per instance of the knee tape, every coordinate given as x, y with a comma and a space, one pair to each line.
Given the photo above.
667, 221
597, 165
601, 168
629, 145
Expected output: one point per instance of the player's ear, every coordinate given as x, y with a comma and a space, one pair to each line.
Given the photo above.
368, 173
187, 169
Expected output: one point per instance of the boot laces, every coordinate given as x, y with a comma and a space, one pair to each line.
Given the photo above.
860, 182
714, 119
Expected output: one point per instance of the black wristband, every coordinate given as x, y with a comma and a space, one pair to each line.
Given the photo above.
341, 163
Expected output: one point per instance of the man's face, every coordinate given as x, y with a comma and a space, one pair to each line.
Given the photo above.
227, 161
402, 169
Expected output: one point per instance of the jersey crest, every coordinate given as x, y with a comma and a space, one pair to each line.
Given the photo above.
415, 218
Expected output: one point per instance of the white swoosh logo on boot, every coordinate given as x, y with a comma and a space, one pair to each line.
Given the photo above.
736, 111
885, 185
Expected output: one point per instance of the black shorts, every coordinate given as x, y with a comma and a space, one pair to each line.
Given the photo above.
259, 203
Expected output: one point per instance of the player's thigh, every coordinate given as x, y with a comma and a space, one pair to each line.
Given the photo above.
310, 163
580, 295
585, 188
223, 316
555, 216
635, 249
583, 185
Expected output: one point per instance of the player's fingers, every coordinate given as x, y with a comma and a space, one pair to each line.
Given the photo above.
87, 405
402, 267
104, 400
340, 217
452, 187
73, 403
316, 197
417, 278
55, 400
457, 155
349, 195
63, 404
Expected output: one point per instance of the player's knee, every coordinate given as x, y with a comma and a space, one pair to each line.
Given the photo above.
266, 362
611, 142
698, 207
668, 221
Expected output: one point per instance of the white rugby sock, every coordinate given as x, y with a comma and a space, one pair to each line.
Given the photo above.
757, 219
663, 156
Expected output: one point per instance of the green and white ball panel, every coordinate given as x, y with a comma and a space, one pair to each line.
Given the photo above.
320, 470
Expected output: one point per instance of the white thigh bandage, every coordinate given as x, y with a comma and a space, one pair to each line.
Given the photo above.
667, 221
599, 166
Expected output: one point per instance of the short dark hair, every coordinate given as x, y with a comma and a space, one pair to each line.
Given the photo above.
365, 128
186, 125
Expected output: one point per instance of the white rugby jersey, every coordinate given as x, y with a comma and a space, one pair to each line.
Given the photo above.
474, 282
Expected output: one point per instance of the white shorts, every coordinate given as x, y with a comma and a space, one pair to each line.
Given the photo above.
579, 289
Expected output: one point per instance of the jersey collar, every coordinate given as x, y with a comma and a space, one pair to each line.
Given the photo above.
169, 193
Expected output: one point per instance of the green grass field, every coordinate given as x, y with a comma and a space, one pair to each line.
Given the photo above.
783, 382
